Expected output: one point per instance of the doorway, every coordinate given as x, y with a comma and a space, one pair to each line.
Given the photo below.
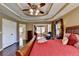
22, 35
41, 29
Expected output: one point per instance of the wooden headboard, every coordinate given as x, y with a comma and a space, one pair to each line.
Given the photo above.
73, 29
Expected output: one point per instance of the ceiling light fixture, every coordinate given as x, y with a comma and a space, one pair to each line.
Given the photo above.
31, 11
34, 13
35, 9
37, 12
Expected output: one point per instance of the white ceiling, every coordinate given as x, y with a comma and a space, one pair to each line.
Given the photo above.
57, 10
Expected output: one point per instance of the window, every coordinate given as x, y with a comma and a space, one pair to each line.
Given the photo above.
59, 31
40, 29
49, 27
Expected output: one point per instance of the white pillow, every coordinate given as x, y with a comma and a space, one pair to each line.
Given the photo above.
65, 40
42, 40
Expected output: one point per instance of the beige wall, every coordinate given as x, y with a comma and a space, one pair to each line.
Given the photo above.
0, 33
29, 25
72, 18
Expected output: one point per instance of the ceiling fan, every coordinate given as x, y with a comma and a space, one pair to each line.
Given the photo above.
35, 9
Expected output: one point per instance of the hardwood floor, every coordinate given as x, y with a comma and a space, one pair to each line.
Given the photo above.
10, 51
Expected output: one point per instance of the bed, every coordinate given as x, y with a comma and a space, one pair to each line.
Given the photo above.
55, 47
52, 47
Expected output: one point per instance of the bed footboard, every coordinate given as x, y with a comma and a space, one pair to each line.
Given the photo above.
25, 51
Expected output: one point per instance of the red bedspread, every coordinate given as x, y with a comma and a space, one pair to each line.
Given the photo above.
53, 48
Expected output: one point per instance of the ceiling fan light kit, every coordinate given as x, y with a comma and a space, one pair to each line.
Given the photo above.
34, 9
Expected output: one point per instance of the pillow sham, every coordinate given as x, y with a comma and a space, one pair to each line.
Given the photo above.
64, 40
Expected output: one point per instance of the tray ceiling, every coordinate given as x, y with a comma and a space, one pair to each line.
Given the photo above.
54, 11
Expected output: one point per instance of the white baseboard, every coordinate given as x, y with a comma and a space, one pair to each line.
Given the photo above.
1, 49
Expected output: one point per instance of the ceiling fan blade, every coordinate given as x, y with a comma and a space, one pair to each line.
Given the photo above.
42, 4
41, 12
25, 9
29, 4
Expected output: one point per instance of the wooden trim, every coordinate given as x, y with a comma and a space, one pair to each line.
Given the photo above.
25, 51
72, 26
62, 27
17, 31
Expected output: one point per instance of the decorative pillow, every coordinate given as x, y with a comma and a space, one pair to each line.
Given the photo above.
76, 44
72, 39
65, 40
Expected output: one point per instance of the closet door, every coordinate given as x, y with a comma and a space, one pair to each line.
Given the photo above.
9, 35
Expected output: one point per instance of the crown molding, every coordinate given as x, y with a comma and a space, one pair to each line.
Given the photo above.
11, 10
66, 10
